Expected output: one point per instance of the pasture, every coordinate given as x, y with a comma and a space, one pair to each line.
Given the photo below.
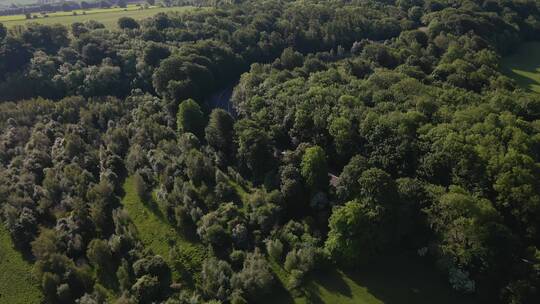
107, 16
17, 286
524, 66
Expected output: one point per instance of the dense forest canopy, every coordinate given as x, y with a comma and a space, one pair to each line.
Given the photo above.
359, 128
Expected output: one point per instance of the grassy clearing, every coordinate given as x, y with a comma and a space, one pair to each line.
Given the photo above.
16, 283
157, 234
108, 17
390, 280
524, 66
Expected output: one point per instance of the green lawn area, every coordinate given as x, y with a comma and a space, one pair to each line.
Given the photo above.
390, 280
16, 283
158, 235
108, 16
524, 66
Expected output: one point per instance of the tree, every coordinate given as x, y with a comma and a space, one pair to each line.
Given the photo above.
357, 231
146, 289
314, 169
141, 186
3, 32
274, 249
127, 23
99, 254
122, 4
378, 188
48, 38
104, 4
154, 53
156, 267
293, 190
190, 118
85, 5
45, 244
256, 278
219, 131
291, 59
215, 278
78, 28
348, 187
254, 151
342, 131
14, 54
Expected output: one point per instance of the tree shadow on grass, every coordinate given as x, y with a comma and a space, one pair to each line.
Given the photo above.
526, 58
405, 279
279, 294
523, 81
331, 280
152, 205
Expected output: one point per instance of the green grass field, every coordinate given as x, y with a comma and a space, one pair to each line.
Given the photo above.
17, 2
389, 280
109, 17
158, 235
16, 283
524, 66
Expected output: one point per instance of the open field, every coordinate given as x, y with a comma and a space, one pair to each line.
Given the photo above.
108, 16
389, 280
524, 66
158, 235
17, 2
16, 283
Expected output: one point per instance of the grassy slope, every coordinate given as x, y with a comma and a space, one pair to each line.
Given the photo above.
157, 234
16, 283
524, 66
108, 17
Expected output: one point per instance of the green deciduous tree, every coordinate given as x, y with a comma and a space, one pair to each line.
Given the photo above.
314, 169
190, 118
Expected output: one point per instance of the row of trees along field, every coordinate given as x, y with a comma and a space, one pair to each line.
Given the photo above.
432, 149
68, 6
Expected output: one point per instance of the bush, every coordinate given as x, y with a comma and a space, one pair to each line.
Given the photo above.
127, 23
274, 249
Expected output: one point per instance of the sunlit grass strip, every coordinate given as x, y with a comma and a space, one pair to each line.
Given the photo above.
17, 286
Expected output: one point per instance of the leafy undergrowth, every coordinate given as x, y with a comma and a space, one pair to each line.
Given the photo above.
524, 66
389, 280
16, 282
157, 234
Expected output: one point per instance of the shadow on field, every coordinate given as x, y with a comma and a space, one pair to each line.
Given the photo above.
390, 280
523, 65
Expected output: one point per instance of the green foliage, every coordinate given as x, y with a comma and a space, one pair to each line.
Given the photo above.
220, 130
99, 255
314, 168
127, 23
190, 118
357, 232
255, 279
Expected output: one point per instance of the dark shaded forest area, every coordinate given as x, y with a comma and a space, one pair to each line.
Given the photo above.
360, 129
